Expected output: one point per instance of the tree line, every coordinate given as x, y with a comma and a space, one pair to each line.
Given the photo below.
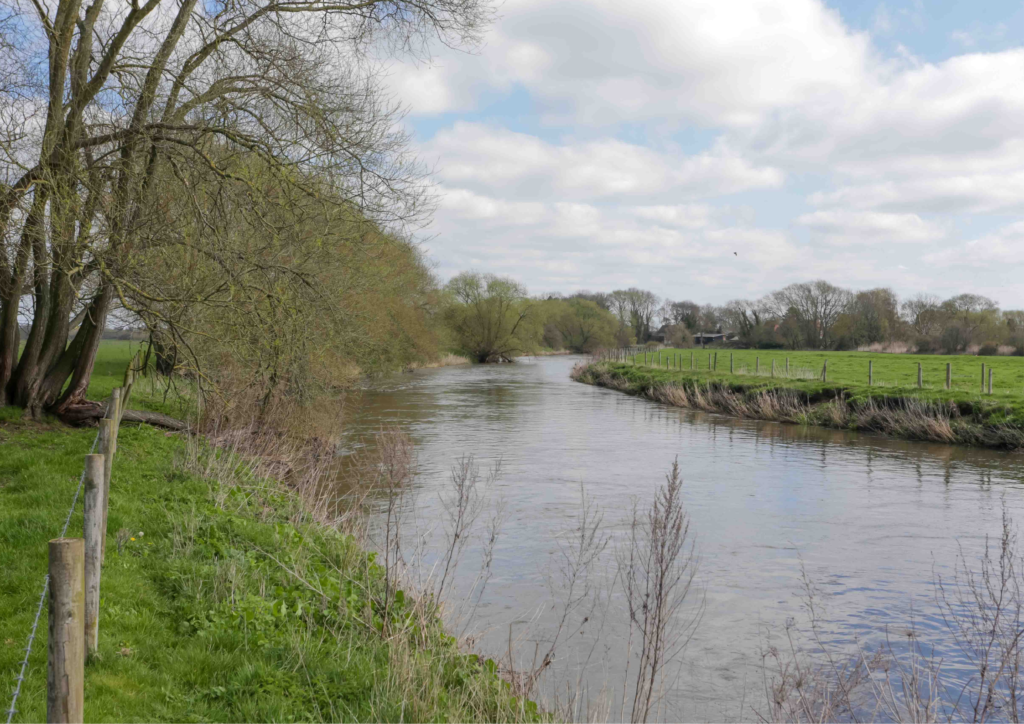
491, 318
231, 175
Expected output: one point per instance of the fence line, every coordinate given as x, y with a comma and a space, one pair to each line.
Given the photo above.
673, 360
116, 407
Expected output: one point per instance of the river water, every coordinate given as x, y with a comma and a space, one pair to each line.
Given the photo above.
870, 520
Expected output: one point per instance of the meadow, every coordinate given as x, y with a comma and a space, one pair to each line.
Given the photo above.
793, 390
891, 372
222, 599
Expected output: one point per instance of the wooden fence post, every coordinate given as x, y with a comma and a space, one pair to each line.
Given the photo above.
716, 361
871, 372
108, 446
709, 361
730, 364
65, 669
990, 379
787, 367
773, 366
824, 371
92, 527
983, 378
757, 365
691, 360
920, 376
949, 375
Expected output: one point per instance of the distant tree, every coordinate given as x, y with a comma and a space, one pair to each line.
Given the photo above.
490, 317
686, 313
637, 308
1013, 320
747, 319
815, 307
601, 299
584, 326
873, 316
924, 314
969, 317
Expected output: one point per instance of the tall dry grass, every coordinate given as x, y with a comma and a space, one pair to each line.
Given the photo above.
906, 417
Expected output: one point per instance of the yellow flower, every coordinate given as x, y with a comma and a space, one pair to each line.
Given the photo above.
133, 539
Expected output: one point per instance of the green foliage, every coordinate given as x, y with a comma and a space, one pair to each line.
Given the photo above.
580, 325
220, 603
491, 318
894, 375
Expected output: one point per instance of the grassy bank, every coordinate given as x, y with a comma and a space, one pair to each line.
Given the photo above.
954, 416
890, 371
221, 601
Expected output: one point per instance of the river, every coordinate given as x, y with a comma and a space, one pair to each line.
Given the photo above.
871, 520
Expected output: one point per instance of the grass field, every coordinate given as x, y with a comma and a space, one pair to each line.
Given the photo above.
219, 602
893, 404
891, 372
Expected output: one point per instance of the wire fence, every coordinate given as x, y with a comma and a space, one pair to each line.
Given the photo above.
12, 710
115, 406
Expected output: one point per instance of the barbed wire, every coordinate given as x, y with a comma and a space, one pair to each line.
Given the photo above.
42, 597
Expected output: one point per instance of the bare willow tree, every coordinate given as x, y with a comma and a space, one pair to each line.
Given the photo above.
148, 108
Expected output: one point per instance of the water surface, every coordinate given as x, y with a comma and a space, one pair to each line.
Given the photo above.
871, 520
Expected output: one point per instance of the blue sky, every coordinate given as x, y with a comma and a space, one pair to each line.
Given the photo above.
719, 149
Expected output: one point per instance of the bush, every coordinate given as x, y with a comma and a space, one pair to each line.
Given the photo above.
989, 349
925, 345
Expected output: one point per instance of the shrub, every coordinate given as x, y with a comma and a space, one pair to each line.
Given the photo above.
925, 345
989, 349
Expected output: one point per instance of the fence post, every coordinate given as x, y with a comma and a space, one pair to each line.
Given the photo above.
773, 367
691, 360
990, 380
716, 361
757, 365
787, 366
983, 378
730, 363
871, 372
709, 361
92, 527
920, 376
108, 446
949, 375
65, 669
824, 371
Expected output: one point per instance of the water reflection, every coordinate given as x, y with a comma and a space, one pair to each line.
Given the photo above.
867, 517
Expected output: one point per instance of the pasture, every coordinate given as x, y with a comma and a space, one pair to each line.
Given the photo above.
895, 372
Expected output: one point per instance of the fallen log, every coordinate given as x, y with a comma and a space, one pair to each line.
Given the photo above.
86, 413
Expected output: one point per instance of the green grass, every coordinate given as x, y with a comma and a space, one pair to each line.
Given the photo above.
959, 415
893, 374
207, 610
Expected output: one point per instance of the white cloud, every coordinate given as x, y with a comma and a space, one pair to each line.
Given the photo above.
1002, 249
848, 228
522, 165
601, 62
889, 153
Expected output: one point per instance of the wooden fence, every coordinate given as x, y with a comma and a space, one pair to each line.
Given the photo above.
75, 574
674, 361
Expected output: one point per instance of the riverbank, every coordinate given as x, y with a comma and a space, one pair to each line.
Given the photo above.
223, 599
953, 417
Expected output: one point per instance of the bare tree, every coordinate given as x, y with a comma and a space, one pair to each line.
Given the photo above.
636, 307
818, 305
138, 97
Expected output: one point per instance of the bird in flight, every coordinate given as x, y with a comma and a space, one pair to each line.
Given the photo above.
735, 254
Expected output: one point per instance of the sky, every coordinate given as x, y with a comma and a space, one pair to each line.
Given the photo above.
719, 149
